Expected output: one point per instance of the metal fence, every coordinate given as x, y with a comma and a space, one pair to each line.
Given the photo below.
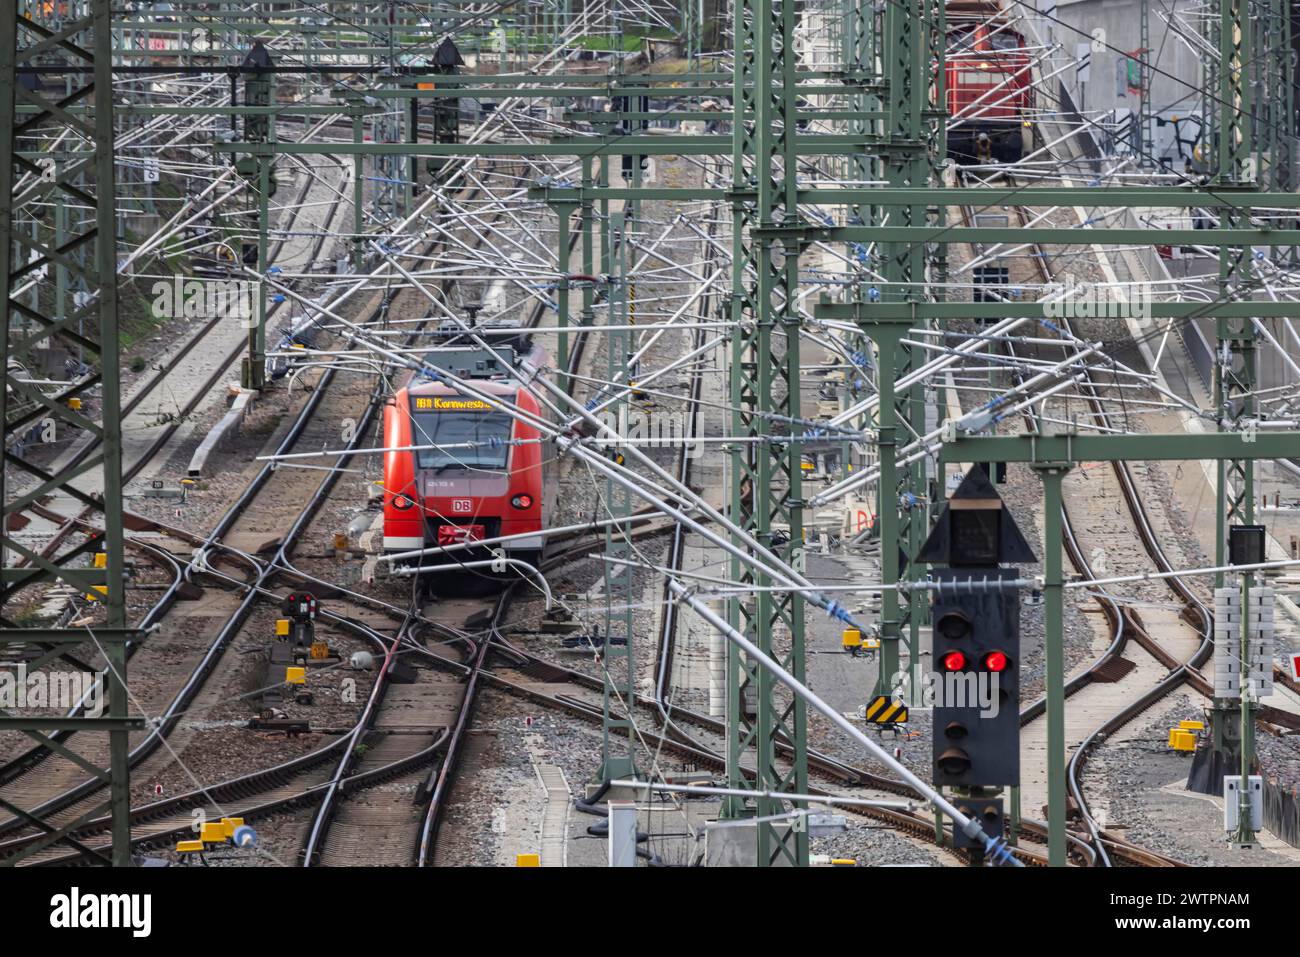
1200, 351
1282, 812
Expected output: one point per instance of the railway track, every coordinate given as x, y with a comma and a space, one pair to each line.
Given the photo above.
440, 784
66, 525
1126, 624
261, 572
245, 596
582, 697
382, 763
158, 383
47, 796
1193, 614
306, 780
247, 522
341, 770
291, 487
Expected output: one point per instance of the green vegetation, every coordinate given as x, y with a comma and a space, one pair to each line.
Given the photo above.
632, 42
29, 617
671, 67
541, 42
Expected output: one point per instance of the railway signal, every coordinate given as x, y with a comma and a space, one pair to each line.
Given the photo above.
298, 625
636, 104
301, 606
258, 90
976, 647
989, 812
977, 684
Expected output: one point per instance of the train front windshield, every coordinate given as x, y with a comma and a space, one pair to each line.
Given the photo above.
474, 440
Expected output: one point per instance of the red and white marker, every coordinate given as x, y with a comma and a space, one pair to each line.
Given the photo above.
157, 789
1295, 667
528, 721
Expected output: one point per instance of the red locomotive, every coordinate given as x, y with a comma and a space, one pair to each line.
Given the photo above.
989, 79
460, 469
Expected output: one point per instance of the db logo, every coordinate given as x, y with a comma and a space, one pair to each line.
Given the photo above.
462, 505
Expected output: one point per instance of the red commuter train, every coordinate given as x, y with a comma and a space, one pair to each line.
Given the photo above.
989, 76
459, 469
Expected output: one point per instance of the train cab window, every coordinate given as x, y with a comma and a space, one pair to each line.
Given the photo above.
1006, 40
458, 428
961, 40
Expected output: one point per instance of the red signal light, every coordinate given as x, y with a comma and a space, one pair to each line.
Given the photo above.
996, 661
523, 500
954, 661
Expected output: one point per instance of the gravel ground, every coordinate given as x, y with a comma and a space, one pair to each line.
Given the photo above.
498, 771
1279, 757
1145, 783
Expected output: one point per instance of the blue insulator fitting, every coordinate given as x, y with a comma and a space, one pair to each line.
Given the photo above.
998, 852
835, 610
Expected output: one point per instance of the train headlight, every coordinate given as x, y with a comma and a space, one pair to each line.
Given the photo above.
403, 502
522, 501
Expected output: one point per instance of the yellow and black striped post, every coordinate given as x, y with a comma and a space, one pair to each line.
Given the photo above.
886, 710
